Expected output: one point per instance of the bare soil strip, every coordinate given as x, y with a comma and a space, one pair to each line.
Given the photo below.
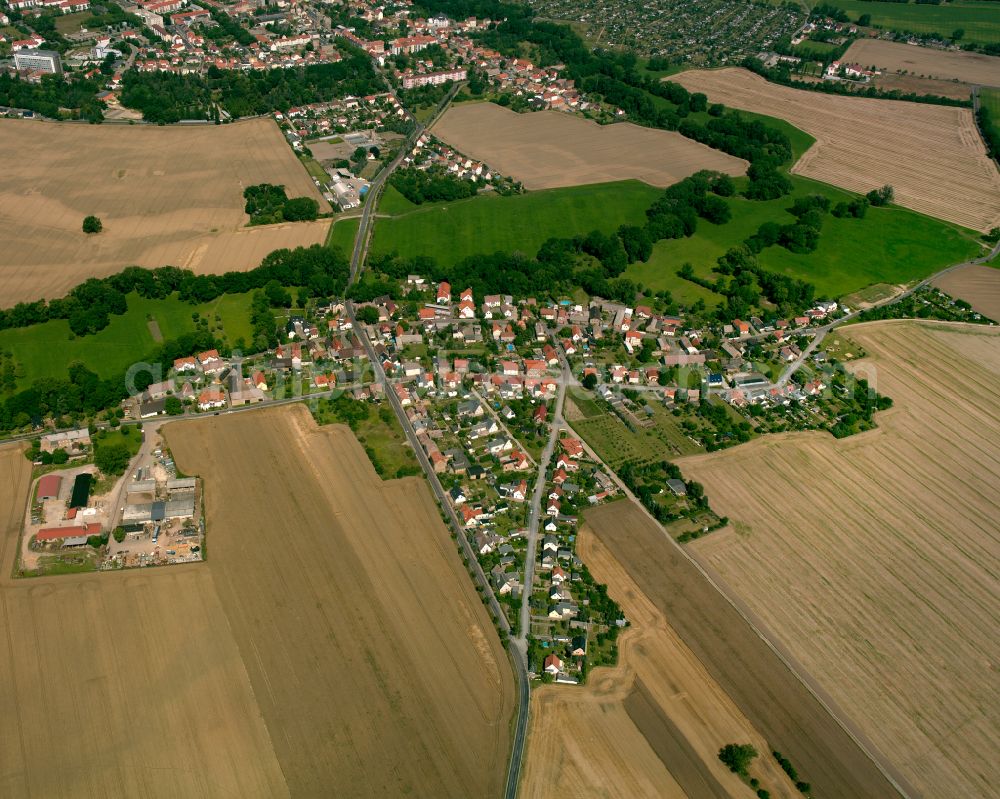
670, 745
932, 155
788, 716
166, 195
977, 284
549, 149
973, 68
874, 559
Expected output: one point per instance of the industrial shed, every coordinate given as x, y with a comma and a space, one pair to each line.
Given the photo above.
48, 487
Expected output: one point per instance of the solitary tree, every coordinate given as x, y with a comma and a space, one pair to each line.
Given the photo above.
883, 196
738, 757
92, 224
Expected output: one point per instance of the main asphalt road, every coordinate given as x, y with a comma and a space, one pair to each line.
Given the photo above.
516, 648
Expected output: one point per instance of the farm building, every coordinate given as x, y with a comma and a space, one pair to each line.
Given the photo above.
69, 440
81, 491
179, 508
48, 487
70, 531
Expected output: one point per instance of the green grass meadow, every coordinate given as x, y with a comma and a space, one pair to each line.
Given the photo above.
342, 235
990, 99
980, 20
890, 245
46, 350
450, 232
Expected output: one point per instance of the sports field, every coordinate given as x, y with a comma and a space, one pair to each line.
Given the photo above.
450, 232
332, 644
872, 559
932, 155
46, 350
651, 726
927, 61
979, 20
549, 149
890, 245
166, 195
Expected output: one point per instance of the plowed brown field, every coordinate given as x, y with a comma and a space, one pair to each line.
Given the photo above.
549, 149
166, 195
932, 155
651, 727
943, 64
874, 559
977, 284
332, 645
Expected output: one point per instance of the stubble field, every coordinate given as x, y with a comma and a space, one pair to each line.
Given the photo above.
651, 726
374, 663
331, 645
978, 285
787, 714
932, 155
873, 558
121, 684
551, 149
166, 195
943, 64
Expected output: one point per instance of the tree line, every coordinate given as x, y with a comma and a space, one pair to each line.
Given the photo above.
88, 307
426, 186
782, 74
55, 96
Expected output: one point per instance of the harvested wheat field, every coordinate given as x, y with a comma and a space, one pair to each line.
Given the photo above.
374, 663
932, 155
873, 559
332, 645
977, 284
932, 63
889, 81
551, 149
121, 684
784, 711
166, 195
651, 727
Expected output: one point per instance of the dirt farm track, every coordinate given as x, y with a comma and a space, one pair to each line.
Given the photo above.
551, 149
332, 644
874, 559
166, 195
932, 155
